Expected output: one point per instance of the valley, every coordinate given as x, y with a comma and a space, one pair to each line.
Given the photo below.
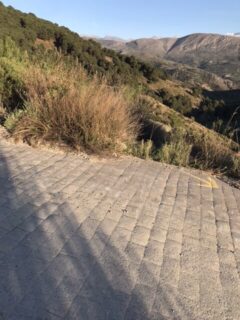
217, 54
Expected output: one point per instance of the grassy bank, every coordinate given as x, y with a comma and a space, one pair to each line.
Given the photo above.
47, 98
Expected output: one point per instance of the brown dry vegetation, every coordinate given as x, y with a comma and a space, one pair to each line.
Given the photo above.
189, 143
47, 44
65, 106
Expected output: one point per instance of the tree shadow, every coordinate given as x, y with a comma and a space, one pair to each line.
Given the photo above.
58, 263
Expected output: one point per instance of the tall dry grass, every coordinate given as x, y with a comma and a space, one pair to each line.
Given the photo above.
216, 154
64, 105
177, 151
189, 143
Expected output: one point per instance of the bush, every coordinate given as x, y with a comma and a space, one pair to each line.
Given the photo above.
12, 120
177, 151
63, 105
179, 103
11, 67
142, 149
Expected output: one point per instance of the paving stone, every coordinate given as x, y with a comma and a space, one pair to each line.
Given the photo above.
231, 290
120, 238
135, 252
148, 274
154, 252
191, 230
208, 228
143, 293
170, 271
227, 257
3, 232
189, 285
140, 235
114, 214
127, 223
174, 235
167, 304
146, 221
88, 228
190, 261
162, 221
106, 227
172, 249
158, 234
209, 242
209, 259
132, 211
10, 240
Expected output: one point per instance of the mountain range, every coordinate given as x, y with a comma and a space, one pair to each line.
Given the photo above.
214, 53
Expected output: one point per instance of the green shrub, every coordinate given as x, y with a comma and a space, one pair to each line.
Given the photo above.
13, 119
12, 64
177, 151
179, 103
142, 149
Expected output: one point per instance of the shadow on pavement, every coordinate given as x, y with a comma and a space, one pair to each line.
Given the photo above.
54, 266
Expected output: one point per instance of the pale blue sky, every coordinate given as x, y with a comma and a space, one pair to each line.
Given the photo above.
137, 18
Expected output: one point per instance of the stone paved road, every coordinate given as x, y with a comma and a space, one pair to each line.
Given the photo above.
117, 239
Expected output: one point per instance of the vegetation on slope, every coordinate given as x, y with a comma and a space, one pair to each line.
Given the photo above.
194, 92
53, 96
57, 102
216, 110
182, 141
27, 31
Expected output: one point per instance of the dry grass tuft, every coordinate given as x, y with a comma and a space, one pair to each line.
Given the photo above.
177, 151
64, 106
216, 154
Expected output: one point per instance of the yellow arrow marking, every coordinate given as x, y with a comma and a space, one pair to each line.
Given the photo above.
208, 183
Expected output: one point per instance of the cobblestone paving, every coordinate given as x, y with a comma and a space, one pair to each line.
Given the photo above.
116, 239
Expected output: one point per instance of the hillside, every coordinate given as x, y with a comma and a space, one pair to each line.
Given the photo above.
193, 76
28, 31
59, 89
149, 48
214, 53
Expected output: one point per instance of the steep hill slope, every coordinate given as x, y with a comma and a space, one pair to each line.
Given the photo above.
193, 76
28, 31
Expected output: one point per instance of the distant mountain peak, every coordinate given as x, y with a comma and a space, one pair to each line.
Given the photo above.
236, 34
112, 38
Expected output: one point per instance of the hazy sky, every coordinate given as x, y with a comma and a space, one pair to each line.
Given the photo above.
137, 18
